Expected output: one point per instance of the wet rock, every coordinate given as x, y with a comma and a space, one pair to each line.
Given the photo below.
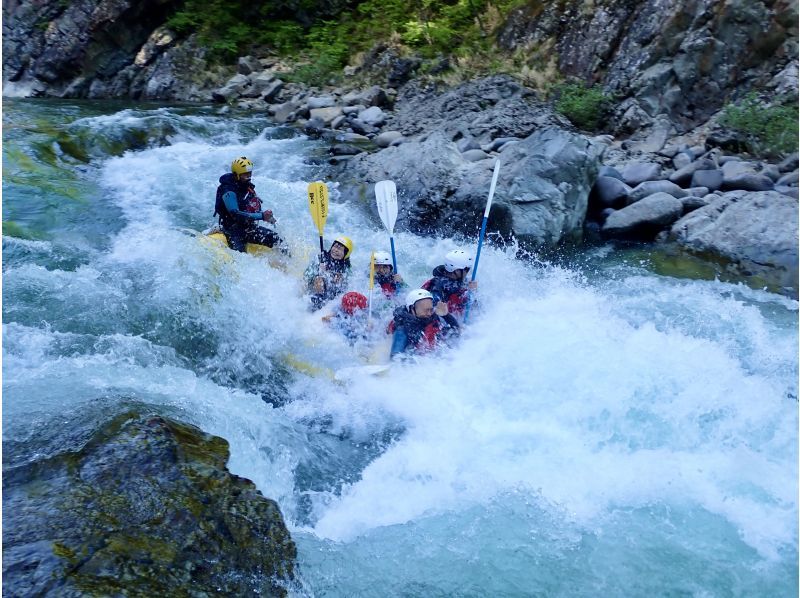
466, 144
247, 65
789, 163
387, 138
271, 91
644, 219
788, 180
732, 229
283, 113
711, 179
474, 155
748, 182
610, 192
145, 506
373, 116
647, 188
315, 102
638, 172
692, 203
698, 191
609, 171
683, 176
314, 128
326, 115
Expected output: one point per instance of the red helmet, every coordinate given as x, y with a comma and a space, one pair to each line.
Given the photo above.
352, 301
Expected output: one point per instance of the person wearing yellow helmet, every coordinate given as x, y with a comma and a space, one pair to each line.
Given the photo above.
327, 274
240, 210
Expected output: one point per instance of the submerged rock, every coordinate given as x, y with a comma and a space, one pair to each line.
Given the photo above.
146, 507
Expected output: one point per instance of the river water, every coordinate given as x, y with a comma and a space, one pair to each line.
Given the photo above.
599, 430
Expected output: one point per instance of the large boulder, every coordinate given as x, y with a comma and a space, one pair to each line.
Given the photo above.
143, 506
644, 219
755, 234
541, 194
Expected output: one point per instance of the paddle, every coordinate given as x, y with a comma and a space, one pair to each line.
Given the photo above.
318, 206
483, 227
371, 286
386, 198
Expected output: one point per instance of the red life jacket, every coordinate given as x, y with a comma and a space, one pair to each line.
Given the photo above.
456, 301
252, 202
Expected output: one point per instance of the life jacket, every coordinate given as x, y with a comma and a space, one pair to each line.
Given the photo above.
332, 267
246, 201
453, 292
423, 334
387, 283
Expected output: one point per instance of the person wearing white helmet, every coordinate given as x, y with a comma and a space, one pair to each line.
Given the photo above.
417, 328
385, 277
327, 274
449, 284
240, 210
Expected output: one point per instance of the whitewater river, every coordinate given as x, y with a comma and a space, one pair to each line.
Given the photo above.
600, 430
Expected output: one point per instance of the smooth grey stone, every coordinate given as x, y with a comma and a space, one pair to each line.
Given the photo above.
771, 170
682, 159
353, 109
725, 159
467, 143
683, 176
789, 163
327, 115
692, 202
610, 191
736, 168
474, 155
338, 121
372, 116
755, 232
344, 149
698, 191
609, 171
386, 138
711, 179
748, 182
645, 218
787, 180
648, 188
315, 102
639, 172
497, 144
787, 191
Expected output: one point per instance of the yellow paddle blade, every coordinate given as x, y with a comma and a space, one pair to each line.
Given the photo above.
372, 270
318, 204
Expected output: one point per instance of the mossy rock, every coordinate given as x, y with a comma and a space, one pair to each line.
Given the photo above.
145, 507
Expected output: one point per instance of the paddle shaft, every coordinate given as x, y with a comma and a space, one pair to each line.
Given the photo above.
394, 258
483, 227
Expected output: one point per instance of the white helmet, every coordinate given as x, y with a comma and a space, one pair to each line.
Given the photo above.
417, 295
457, 260
382, 258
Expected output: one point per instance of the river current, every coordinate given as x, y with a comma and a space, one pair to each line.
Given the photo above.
599, 429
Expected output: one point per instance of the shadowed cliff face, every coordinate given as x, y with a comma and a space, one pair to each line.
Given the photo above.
682, 58
65, 45
145, 506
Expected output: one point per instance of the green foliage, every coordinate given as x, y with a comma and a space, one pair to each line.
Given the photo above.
769, 131
584, 106
328, 52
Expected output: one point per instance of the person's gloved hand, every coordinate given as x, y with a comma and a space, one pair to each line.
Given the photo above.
267, 216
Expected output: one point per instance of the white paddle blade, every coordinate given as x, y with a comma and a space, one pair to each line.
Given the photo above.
386, 199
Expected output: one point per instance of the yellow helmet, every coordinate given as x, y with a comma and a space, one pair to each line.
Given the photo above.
241, 165
348, 245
